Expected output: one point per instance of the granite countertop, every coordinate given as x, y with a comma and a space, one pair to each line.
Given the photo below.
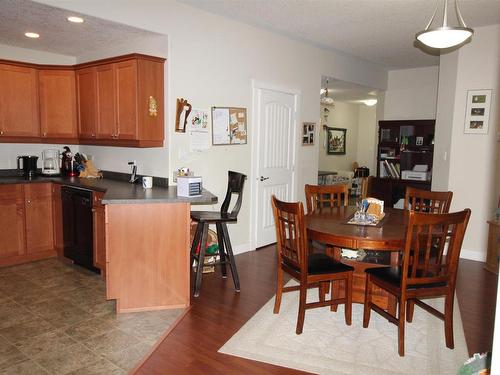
119, 192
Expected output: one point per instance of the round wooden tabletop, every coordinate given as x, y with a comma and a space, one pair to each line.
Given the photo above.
329, 226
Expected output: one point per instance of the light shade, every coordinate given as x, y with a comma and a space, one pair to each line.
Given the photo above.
75, 19
32, 35
445, 36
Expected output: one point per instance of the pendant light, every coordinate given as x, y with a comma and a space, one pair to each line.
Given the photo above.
445, 36
326, 100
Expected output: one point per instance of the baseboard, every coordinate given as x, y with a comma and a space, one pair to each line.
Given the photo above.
473, 255
242, 248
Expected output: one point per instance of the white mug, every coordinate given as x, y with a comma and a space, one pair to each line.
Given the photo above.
147, 182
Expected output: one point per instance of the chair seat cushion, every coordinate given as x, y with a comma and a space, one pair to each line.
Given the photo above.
393, 275
320, 264
212, 216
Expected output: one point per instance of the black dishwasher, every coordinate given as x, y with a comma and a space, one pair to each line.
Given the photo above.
77, 226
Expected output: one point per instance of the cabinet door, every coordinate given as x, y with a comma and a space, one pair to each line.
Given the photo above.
87, 102
57, 218
39, 218
99, 237
106, 99
126, 99
57, 103
18, 101
11, 221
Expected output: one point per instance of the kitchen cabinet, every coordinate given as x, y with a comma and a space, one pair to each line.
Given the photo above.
19, 115
39, 217
12, 240
129, 102
57, 219
99, 240
57, 92
87, 102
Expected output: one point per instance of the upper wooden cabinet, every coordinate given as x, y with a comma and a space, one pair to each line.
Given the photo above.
112, 102
87, 99
57, 103
18, 102
125, 96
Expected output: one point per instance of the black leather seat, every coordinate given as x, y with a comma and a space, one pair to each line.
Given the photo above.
205, 218
319, 264
392, 275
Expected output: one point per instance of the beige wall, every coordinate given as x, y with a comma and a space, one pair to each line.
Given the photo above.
473, 157
345, 116
367, 138
411, 94
212, 61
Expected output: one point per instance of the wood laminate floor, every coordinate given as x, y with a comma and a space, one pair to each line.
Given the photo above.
219, 312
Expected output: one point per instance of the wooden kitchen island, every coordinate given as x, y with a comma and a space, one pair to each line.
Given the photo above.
147, 249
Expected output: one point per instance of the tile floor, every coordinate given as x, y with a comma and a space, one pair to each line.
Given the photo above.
54, 319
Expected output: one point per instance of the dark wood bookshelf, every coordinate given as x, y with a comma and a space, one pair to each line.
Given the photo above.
402, 144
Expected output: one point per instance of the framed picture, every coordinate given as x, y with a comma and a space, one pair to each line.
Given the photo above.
308, 133
477, 113
336, 138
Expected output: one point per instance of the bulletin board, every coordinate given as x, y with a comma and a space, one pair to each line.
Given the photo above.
229, 126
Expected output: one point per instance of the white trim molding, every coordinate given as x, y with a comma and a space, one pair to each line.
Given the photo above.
473, 255
242, 248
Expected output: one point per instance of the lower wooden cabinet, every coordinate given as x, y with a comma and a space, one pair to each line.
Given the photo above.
31, 224
12, 240
39, 219
99, 241
57, 219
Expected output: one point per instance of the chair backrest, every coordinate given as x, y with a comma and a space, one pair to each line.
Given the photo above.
435, 202
235, 184
320, 196
428, 236
366, 186
291, 235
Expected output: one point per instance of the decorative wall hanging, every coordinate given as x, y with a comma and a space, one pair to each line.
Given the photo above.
308, 133
182, 112
229, 126
477, 113
336, 140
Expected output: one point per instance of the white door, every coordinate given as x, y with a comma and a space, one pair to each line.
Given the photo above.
276, 122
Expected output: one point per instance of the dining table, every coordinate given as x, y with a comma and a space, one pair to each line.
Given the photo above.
382, 244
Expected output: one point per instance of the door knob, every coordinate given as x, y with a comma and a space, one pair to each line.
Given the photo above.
262, 178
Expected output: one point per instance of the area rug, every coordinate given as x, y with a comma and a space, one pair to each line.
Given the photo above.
328, 346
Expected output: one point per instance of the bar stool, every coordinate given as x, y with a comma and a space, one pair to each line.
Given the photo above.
205, 218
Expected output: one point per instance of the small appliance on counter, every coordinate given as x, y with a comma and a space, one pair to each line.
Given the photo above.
189, 186
67, 163
50, 162
29, 167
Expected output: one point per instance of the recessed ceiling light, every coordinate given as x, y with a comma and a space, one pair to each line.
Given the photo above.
32, 35
75, 19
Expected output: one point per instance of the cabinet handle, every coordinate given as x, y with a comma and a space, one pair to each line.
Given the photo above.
28, 201
44, 134
93, 135
1, 132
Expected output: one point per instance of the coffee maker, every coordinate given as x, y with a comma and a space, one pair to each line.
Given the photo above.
50, 162
29, 167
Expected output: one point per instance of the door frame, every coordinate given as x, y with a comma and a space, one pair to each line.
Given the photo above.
255, 149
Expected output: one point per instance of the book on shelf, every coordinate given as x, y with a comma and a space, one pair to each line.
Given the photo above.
390, 169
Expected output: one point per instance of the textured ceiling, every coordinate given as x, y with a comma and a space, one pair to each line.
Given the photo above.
57, 35
381, 31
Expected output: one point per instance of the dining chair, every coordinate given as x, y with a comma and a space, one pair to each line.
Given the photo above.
220, 219
422, 275
437, 202
366, 186
320, 196
309, 269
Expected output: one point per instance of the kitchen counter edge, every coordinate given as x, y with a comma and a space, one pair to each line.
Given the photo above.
119, 192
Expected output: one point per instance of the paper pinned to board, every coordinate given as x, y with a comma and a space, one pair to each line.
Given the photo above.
199, 139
